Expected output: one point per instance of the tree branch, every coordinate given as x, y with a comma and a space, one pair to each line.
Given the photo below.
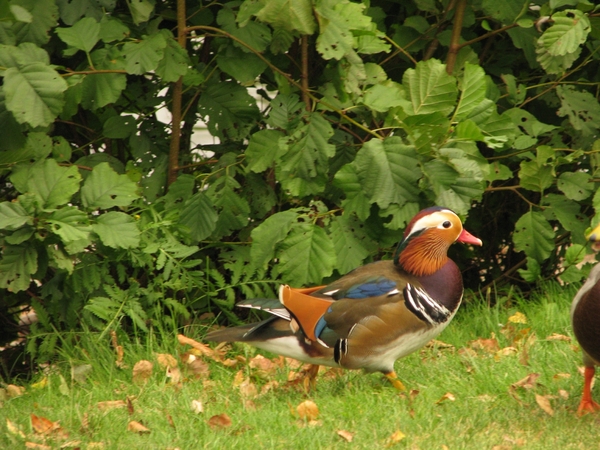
459, 16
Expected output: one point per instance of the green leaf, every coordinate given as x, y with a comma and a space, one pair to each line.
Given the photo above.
70, 224
388, 171
44, 16
286, 112
112, 29
468, 130
534, 236
141, 10
569, 30
234, 210
533, 272
567, 212
348, 241
254, 34
535, 177
574, 254
101, 89
105, 188
430, 89
83, 35
13, 216
356, 200
117, 230
119, 127
34, 93
244, 67
267, 235
291, 16
472, 87
575, 185
59, 259
581, 107
143, 56
199, 216
53, 184
174, 63
18, 264
383, 96
263, 150
229, 111
307, 255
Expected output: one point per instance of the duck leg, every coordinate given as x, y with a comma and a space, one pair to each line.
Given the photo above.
394, 380
587, 405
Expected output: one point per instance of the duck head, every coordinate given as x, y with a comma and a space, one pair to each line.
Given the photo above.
428, 236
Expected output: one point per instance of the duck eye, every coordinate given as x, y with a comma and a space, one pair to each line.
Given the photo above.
447, 224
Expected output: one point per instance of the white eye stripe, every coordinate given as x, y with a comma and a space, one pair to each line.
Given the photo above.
433, 220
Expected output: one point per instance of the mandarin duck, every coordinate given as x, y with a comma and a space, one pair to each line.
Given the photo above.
585, 317
373, 315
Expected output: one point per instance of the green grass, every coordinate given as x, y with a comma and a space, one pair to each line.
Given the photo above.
485, 414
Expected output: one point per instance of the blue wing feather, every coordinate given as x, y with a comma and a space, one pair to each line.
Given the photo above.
375, 288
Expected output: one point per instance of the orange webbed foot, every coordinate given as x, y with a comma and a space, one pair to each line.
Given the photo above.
587, 406
395, 381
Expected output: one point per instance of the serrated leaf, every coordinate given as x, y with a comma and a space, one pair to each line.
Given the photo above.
119, 127
83, 35
575, 185
569, 30
430, 89
286, 111
574, 254
307, 255
383, 96
534, 236
143, 56
229, 111
234, 210
175, 62
199, 216
18, 264
117, 230
535, 177
348, 241
105, 188
99, 90
356, 200
112, 29
59, 259
244, 67
263, 150
568, 214
388, 171
533, 272
53, 184
70, 224
268, 234
44, 16
581, 107
291, 16
13, 216
34, 93
141, 10
472, 87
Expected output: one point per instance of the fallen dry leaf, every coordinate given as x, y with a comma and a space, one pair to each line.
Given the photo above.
248, 390
197, 406
528, 382
447, 396
80, 373
118, 349
174, 374
517, 317
219, 421
560, 376
111, 404
308, 410
202, 348
346, 435
130, 408
489, 345
434, 343
263, 367
166, 361
12, 390
37, 446
136, 427
40, 384
196, 366
41, 425
396, 437
558, 337
506, 351
271, 385
14, 429
142, 370
72, 444
544, 402
564, 394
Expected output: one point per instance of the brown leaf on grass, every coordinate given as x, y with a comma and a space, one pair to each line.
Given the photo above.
506, 351
434, 343
560, 376
41, 425
564, 394
346, 435
12, 390
269, 386
118, 349
219, 421
72, 444
248, 389
447, 396
308, 410
202, 348
263, 367
544, 402
529, 382
174, 374
130, 409
136, 427
37, 446
412, 394
142, 370
196, 366
111, 404
166, 361
80, 373
14, 429
489, 345
558, 337
396, 437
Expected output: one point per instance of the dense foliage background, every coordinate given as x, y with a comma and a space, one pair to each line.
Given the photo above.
331, 124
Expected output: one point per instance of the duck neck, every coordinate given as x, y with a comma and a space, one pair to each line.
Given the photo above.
421, 255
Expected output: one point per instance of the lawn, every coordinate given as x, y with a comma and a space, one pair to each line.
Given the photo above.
499, 377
